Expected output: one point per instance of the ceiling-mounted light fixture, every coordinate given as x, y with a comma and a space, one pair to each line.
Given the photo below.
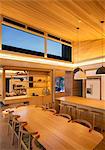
77, 69
78, 72
101, 70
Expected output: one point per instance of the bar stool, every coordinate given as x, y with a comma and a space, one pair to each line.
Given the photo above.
63, 111
82, 113
52, 105
10, 121
97, 120
48, 106
71, 110
63, 108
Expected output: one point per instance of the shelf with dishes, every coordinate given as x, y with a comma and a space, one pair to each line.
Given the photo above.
38, 87
39, 91
39, 84
35, 83
39, 81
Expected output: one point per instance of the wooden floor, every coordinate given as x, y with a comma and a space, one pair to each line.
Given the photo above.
5, 140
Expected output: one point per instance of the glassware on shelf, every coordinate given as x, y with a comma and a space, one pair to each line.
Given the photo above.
45, 91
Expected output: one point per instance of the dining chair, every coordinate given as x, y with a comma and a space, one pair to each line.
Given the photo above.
63, 112
65, 116
52, 110
10, 120
36, 145
84, 122
25, 138
51, 105
21, 105
46, 108
16, 126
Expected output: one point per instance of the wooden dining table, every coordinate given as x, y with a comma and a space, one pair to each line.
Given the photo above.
56, 133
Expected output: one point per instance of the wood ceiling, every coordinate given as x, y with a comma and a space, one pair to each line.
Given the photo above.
59, 17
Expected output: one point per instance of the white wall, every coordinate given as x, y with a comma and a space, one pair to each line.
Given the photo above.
93, 73
103, 87
0, 85
94, 86
1, 81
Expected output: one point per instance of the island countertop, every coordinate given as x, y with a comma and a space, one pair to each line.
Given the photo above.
98, 104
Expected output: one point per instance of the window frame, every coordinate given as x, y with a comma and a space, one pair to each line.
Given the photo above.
59, 78
45, 36
23, 50
49, 40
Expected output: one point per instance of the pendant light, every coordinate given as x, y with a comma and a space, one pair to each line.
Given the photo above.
80, 75
78, 72
101, 70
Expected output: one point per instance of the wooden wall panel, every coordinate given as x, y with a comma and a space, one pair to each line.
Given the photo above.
59, 73
68, 83
27, 64
72, 87
77, 87
59, 94
58, 17
88, 50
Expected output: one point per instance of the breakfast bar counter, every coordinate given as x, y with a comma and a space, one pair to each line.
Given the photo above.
90, 103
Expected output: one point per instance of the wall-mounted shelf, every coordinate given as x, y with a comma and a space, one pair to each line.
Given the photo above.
38, 87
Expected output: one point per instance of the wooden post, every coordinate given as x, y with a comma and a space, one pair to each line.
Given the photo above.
53, 85
0, 32
68, 83
3, 85
45, 45
84, 88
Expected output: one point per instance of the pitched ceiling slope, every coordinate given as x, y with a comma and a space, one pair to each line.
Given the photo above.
59, 17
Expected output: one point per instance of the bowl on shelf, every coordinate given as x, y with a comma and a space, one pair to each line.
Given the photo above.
33, 94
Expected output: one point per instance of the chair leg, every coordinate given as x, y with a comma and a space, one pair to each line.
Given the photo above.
13, 138
74, 113
102, 122
93, 121
8, 130
19, 141
19, 146
78, 114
